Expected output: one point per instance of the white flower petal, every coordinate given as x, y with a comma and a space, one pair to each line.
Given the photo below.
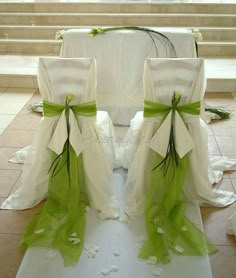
152, 260
179, 249
96, 248
113, 268
116, 252
76, 241
105, 272
91, 253
39, 231
74, 234
124, 218
184, 228
157, 271
160, 230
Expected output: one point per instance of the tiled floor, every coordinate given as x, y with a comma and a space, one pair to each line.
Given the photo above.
17, 126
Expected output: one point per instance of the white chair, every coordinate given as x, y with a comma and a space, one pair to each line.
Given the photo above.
58, 77
163, 77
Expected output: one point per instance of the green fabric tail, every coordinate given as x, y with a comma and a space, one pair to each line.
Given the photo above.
167, 226
60, 224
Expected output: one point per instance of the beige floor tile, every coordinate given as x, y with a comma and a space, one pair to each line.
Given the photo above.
224, 128
27, 122
17, 185
223, 263
5, 155
209, 129
14, 221
10, 108
5, 120
212, 146
224, 184
10, 255
214, 221
234, 183
218, 99
8, 179
16, 138
226, 144
15, 97
1, 131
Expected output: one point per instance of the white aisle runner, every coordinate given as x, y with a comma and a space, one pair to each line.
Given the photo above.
105, 237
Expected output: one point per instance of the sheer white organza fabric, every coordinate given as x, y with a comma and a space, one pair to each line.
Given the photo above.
57, 78
161, 78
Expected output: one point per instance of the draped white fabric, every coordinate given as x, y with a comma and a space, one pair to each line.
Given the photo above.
161, 78
120, 57
58, 78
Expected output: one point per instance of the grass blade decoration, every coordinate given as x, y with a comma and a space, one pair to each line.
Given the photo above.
172, 156
154, 35
64, 157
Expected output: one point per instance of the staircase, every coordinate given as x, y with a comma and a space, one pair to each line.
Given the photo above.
27, 31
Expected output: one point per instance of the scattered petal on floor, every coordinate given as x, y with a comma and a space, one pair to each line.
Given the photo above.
157, 271
116, 252
124, 218
105, 272
113, 268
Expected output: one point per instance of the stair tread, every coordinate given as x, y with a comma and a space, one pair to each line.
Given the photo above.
27, 65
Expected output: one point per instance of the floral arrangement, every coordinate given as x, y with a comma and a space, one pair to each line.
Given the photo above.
59, 34
197, 35
154, 35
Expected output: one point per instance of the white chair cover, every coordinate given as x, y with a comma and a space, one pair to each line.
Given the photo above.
161, 78
120, 56
57, 78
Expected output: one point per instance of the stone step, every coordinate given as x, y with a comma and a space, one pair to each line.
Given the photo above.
218, 34
48, 32
30, 47
52, 47
90, 19
108, 7
21, 71
217, 49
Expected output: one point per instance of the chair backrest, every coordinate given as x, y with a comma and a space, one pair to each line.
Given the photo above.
120, 57
58, 77
163, 77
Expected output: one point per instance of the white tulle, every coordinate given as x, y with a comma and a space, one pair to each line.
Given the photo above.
57, 78
161, 78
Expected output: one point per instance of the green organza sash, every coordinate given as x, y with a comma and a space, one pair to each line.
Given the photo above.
168, 228
60, 224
